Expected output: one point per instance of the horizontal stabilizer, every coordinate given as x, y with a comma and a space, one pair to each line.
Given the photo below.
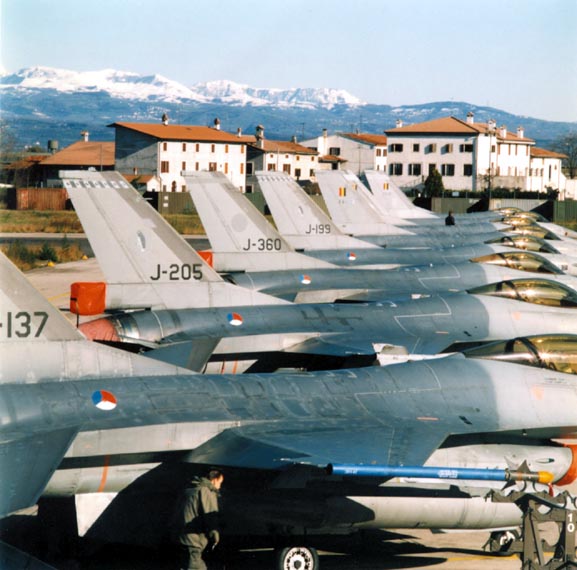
191, 355
26, 465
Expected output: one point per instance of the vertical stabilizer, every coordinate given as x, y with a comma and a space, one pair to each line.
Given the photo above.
25, 314
349, 208
240, 236
299, 219
147, 264
391, 200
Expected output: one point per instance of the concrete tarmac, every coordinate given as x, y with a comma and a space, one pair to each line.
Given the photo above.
402, 549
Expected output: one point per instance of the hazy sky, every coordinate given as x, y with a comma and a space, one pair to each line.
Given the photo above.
516, 55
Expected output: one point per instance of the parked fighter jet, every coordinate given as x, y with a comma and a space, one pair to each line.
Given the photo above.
264, 338
389, 199
141, 226
54, 387
115, 218
228, 218
306, 226
353, 211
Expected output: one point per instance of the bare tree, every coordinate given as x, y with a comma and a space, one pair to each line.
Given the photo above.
567, 145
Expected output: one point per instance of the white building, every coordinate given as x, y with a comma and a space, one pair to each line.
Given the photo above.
545, 171
163, 151
289, 157
470, 156
355, 151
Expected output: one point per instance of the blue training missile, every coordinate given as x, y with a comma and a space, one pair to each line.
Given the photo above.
440, 473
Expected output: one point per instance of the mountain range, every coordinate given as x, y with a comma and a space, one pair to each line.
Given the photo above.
44, 103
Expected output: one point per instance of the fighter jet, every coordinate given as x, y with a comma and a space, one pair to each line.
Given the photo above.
233, 225
265, 338
116, 220
353, 211
453, 413
389, 199
306, 226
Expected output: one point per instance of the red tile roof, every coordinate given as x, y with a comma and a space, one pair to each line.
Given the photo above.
183, 132
83, 153
378, 140
331, 158
26, 162
537, 152
283, 146
452, 125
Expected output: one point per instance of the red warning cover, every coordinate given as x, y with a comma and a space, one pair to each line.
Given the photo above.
87, 298
207, 256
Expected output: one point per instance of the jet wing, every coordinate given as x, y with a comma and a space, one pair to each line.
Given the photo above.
318, 443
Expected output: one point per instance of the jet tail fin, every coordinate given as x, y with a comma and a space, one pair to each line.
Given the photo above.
390, 199
238, 233
303, 223
220, 206
25, 314
347, 203
145, 261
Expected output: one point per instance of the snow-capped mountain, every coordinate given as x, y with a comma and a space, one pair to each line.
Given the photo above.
42, 103
128, 85
238, 94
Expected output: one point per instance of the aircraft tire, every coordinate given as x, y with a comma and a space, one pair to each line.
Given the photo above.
297, 558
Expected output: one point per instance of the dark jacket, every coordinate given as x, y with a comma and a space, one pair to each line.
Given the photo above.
199, 513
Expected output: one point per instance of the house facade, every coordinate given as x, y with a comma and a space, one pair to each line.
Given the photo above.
162, 151
354, 151
289, 157
545, 171
469, 156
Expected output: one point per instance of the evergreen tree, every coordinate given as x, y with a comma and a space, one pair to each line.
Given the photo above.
434, 185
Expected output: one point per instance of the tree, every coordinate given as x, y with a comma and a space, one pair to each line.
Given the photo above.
567, 145
434, 185
8, 150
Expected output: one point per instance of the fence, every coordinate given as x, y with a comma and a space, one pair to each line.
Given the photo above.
37, 199
181, 202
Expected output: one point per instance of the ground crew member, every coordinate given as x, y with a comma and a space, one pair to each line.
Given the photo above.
200, 524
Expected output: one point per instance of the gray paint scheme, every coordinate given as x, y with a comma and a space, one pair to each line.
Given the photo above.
370, 415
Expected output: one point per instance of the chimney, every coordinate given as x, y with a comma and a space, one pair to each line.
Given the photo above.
492, 124
84, 135
217, 124
470, 118
503, 131
521, 132
260, 136
294, 139
325, 134
164, 119
399, 123
239, 132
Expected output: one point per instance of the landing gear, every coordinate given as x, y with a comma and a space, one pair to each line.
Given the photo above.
297, 558
500, 542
